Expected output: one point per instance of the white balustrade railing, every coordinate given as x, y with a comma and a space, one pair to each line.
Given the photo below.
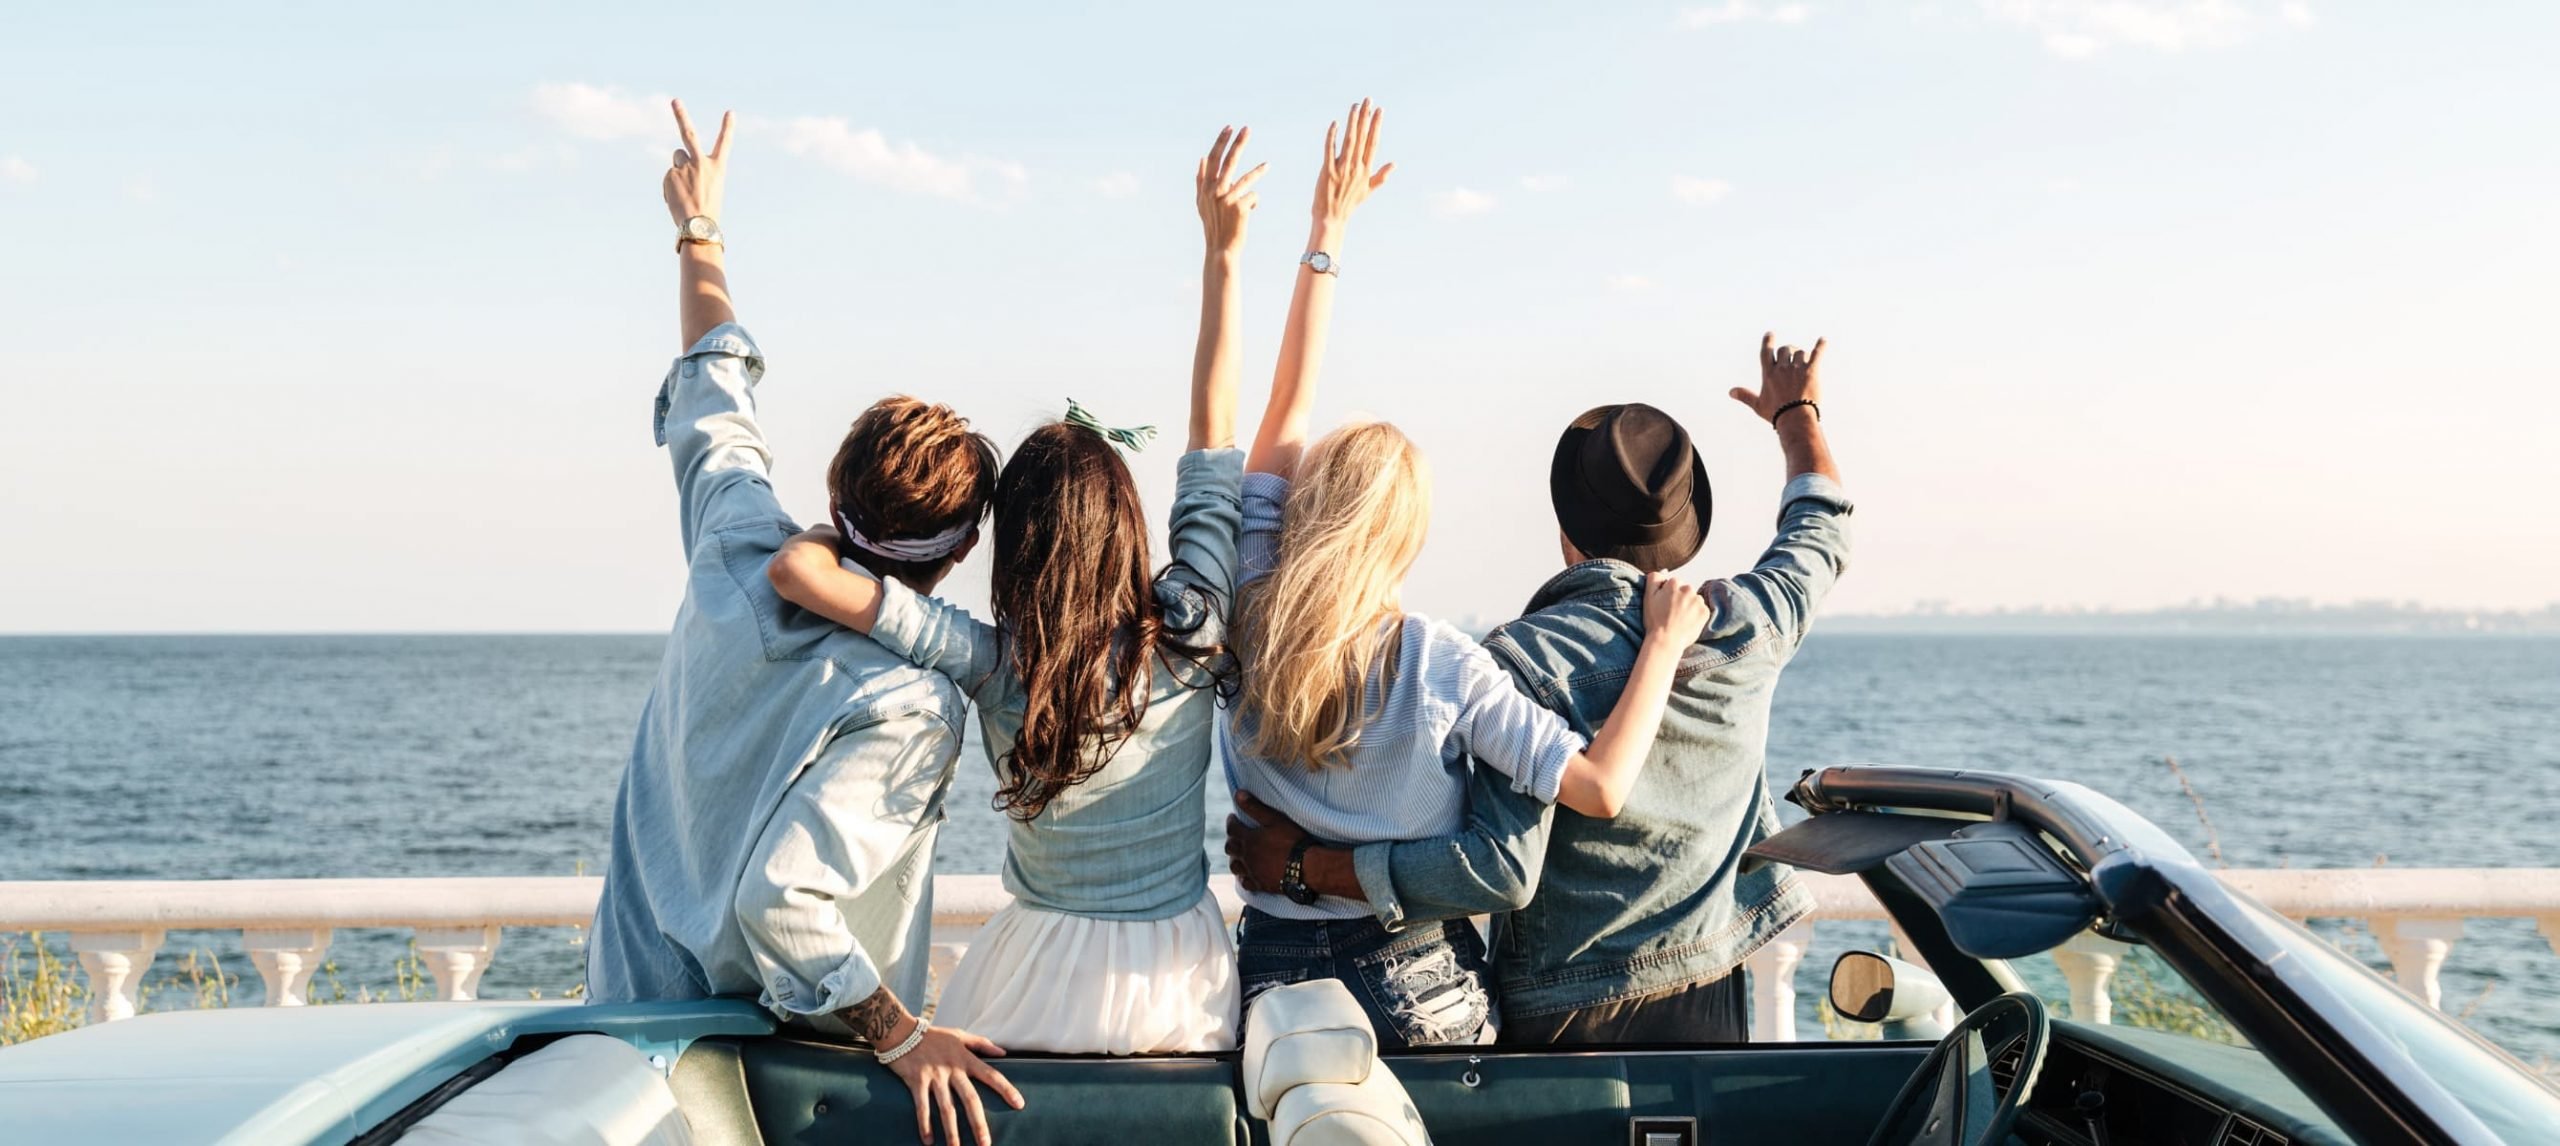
116, 927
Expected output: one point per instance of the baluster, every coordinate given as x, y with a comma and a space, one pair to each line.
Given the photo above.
946, 959
2550, 927
1945, 1016
456, 957
286, 959
1773, 983
2088, 962
115, 962
2416, 948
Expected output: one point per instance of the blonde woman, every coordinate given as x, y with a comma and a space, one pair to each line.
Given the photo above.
1357, 719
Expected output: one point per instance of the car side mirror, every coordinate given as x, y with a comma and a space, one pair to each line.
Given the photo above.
1871, 988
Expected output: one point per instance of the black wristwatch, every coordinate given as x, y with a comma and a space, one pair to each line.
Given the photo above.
1293, 878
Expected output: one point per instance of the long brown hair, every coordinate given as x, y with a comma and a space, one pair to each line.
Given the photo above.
1071, 590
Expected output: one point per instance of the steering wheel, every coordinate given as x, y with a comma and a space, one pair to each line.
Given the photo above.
1957, 1098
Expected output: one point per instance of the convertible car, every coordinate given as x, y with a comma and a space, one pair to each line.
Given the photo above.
2273, 1038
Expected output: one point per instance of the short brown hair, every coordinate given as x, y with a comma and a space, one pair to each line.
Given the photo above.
910, 468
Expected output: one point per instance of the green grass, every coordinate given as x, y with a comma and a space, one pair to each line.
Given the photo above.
42, 991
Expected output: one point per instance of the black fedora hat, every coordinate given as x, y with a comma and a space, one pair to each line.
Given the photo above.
1627, 483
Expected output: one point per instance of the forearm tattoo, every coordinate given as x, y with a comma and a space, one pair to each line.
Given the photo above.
875, 1017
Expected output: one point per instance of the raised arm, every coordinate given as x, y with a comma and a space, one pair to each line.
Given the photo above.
1226, 200
1345, 180
693, 187
706, 410
1812, 547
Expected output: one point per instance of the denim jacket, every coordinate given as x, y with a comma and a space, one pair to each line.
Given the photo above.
1606, 910
773, 834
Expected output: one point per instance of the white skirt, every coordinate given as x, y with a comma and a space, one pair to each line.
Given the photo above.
1038, 980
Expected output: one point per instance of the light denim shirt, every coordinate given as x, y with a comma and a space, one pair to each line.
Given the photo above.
1130, 841
1406, 776
773, 835
1657, 898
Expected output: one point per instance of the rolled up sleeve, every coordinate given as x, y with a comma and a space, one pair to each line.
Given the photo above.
1198, 586
1488, 867
934, 634
1806, 559
846, 820
1502, 727
1266, 502
706, 418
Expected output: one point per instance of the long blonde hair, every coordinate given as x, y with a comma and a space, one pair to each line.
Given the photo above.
1317, 625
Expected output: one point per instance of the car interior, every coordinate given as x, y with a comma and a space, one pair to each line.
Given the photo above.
1968, 1054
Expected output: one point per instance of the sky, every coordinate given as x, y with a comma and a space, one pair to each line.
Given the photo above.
349, 318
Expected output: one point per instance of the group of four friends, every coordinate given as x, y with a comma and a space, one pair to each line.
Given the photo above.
773, 834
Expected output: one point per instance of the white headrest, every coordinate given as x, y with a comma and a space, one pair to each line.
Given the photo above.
1375, 1112
1304, 1033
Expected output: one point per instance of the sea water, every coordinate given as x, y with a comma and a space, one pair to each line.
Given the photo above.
311, 756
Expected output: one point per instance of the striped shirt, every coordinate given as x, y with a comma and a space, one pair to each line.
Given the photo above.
1406, 776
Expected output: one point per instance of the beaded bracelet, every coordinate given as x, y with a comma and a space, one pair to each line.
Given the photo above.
905, 1045
1782, 410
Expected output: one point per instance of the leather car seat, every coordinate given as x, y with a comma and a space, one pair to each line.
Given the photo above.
1311, 1072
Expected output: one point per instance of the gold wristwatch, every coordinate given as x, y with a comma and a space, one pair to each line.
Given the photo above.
699, 229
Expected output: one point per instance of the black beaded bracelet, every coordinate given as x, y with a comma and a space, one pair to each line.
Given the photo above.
1782, 410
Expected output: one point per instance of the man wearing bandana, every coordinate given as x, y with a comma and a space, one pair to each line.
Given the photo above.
773, 833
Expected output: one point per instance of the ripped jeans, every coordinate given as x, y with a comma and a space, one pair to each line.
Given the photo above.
1427, 985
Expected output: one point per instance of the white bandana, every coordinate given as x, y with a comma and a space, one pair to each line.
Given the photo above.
932, 548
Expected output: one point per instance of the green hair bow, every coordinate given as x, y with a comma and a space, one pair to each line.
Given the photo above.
1132, 439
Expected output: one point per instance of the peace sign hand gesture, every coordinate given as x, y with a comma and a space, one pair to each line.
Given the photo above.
695, 177
1226, 200
1346, 179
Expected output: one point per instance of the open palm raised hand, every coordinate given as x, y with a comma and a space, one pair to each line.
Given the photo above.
1226, 198
1347, 177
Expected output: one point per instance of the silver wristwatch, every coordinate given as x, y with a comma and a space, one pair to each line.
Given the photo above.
699, 229
1320, 262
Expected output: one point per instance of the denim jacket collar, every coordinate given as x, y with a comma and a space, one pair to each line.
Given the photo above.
1590, 579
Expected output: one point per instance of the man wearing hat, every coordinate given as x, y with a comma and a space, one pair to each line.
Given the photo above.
1639, 925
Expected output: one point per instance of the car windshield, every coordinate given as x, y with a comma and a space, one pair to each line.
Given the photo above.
2148, 1009
2497, 1089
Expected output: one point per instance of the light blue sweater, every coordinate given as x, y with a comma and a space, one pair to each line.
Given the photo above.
1406, 778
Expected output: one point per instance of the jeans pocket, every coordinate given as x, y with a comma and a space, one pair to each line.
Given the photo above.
1258, 970
1433, 994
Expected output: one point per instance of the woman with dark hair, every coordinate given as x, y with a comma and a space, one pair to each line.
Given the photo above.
1096, 691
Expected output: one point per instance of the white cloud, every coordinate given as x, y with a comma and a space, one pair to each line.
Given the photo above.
2298, 14
141, 191
591, 112
1117, 185
1742, 12
1542, 183
2075, 29
1630, 284
869, 157
1458, 201
15, 169
1699, 192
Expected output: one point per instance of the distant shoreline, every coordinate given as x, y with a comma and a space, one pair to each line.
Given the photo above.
2220, 618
